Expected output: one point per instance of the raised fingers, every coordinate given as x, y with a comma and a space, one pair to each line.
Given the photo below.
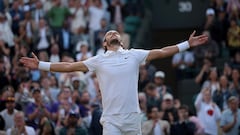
192, 35
34, 56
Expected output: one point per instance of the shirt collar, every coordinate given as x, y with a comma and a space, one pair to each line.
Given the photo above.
110, 52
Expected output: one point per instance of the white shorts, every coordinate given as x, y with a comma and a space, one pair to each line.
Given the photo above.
121, 124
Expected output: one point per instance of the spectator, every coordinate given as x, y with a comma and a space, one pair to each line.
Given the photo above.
65, 38
22, 37
208, 112
56, 17
84, 105
143, 78
54, 87
159, 79
54, 53
78, 84
4, 78
48, 94
233, 8
21, 74
92, 86
76, 97
233, 37
117, 12
199, 127
143, 105
177, 103
62, 106
227, 71
209, 50
169, 111
46, 127
37, 109
6, 36
212, 82
23, 95
204, 72
182, 63
42, 36
4, 49
152, 95
230, 120
95, 125
17, 16
47, 5
210, 17
219, 5
29, 26
84, 52
96, 12
155, 126
235, 84
183, 126
79, 20
38, 12
35, 85
216, 24
72, 126
9, 112
43, 55
151, 69
235, 62
221, 95
8, 91
20, 126
221, 23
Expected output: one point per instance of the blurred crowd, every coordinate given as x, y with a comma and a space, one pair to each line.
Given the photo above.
48, 103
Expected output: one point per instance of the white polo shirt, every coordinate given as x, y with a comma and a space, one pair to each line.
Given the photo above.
117, 74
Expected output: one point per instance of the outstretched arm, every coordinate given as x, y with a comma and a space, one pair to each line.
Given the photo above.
34, 63
171, 50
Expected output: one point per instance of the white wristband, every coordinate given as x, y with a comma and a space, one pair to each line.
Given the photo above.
44, 65
183, 46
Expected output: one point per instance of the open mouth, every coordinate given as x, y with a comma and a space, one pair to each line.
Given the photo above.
114, 41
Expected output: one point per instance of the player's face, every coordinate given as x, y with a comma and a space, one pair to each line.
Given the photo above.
110, 36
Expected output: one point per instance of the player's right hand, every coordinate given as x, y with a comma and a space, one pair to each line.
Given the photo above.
31, 63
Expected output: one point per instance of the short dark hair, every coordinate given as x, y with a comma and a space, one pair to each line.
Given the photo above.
185, 107
150, 86
149, 108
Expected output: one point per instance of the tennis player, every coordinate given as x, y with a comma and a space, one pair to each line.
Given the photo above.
117, 71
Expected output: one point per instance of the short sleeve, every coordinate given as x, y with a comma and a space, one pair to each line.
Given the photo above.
140, 54
91, 63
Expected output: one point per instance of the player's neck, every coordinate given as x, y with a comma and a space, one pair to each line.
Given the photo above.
113, 47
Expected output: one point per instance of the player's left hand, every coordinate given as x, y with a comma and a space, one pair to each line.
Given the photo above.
197, 40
